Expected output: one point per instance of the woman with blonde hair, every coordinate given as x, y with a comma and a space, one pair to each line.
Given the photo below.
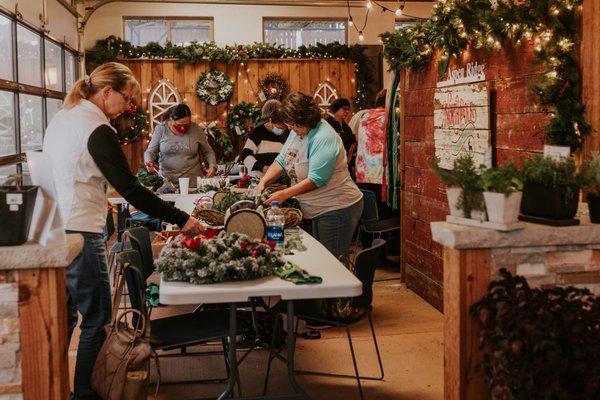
85, 155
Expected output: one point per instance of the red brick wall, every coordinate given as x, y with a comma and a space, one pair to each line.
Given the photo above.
517, 121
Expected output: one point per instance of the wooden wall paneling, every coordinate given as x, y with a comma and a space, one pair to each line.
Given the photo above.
335, 77
294, 76
169, 70
179, 79
253, 79
315, 77
324, 71
590, 65
145, 76
344, 80
284, 71
304, 74
466, 276
43, 333
156, 71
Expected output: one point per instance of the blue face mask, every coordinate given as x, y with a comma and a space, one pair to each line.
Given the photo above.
277, 131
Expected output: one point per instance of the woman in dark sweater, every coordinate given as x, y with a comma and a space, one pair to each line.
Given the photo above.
266, 139
338, 112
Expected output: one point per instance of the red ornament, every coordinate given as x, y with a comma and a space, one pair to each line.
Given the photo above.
211, 233
244, 245
192, 243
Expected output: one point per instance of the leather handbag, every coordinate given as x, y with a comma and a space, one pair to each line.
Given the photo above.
122, 368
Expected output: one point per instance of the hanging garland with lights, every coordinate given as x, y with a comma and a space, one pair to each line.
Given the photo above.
113, 48
273, 86
551, 25
241, 117
131, 124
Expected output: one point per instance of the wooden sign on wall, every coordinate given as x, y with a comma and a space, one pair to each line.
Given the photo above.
462, 124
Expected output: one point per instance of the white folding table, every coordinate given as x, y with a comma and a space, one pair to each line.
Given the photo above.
337, 282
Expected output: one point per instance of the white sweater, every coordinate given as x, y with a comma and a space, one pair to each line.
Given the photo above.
80, 186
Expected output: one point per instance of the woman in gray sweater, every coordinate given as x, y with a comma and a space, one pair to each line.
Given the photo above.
178, 143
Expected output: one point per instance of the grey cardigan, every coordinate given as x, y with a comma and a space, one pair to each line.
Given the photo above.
177, 154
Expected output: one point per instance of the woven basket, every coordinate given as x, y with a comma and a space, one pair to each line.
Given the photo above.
210, 217
293, 216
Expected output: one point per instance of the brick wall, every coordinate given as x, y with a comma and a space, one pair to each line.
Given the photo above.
10, 358
517, 121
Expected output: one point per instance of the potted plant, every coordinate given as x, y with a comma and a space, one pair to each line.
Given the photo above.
464, 188
550, 188
16, 209
591, 187
502, 193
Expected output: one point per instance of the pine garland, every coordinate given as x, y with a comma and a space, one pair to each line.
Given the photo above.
552, 26
113, 48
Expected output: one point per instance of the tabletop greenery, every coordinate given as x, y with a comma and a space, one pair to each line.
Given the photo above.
113, 48
505, 179
466, 176
551, 26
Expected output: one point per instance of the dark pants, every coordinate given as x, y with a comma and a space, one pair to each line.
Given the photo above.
334, 229
88, 291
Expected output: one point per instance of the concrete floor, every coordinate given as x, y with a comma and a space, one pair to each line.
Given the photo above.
409, 332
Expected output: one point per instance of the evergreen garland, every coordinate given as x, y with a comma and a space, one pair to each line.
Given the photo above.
131, 124
113, 48
551, 25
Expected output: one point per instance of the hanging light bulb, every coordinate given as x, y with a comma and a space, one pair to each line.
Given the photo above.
399, 11
350, 22
369, 5
361, 37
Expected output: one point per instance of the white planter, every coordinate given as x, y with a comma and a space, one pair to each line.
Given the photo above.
501, 208
453, 195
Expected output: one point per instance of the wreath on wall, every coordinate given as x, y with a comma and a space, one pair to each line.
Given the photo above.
273, 86
214, 87
241, 117
131, 124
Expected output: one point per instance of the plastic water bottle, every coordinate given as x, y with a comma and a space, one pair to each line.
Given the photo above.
275, 223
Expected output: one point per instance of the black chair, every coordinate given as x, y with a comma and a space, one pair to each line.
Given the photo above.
370, 223
179, 331
366, 262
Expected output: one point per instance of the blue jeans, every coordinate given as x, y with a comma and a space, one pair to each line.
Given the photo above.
334, 229
88, 291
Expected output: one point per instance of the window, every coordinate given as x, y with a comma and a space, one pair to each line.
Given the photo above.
292, 34
46, 69
403, 23
141, 31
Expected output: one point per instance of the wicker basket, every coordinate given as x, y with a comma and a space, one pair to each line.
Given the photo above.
293, 216
210, 217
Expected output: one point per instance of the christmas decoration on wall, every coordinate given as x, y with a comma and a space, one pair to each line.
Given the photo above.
221, 140
214, 87
325, 94
551, 26
162, 97
131, 124
113, 48
272, 86
241, 118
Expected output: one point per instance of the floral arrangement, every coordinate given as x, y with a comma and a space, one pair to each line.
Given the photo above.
551, 27
273, 86
113, 48
214, 87
221, 258
131, 124
242, 116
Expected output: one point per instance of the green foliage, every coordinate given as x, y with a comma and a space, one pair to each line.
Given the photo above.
552, 25
228, 200
556, 174
113, 48
591, 176
148, 179
131, 124
506, 179
239, 115
222, 142
539, 344
467, 176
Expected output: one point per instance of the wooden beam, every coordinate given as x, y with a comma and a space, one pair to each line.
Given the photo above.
590, 66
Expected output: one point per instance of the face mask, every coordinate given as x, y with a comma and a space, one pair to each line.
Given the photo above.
179, 128
277, 131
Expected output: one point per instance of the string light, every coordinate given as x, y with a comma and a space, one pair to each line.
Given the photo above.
369, 5
399, 11
361, 37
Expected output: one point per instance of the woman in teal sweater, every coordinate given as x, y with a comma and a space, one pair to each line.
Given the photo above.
315, 160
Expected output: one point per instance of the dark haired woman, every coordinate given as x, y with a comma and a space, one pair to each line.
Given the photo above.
266, 139
178, 143
314, 158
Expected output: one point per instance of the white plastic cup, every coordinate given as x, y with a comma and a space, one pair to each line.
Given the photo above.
184, 185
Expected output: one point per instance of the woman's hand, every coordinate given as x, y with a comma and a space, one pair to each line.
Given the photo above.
151, 167
193, 227
279, 196
211, 172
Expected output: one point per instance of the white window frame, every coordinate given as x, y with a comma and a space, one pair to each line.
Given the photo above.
305, 19
169, 20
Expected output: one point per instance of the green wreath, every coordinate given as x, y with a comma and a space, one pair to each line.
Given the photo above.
239, 117
131, 124
214, 87
273, 86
